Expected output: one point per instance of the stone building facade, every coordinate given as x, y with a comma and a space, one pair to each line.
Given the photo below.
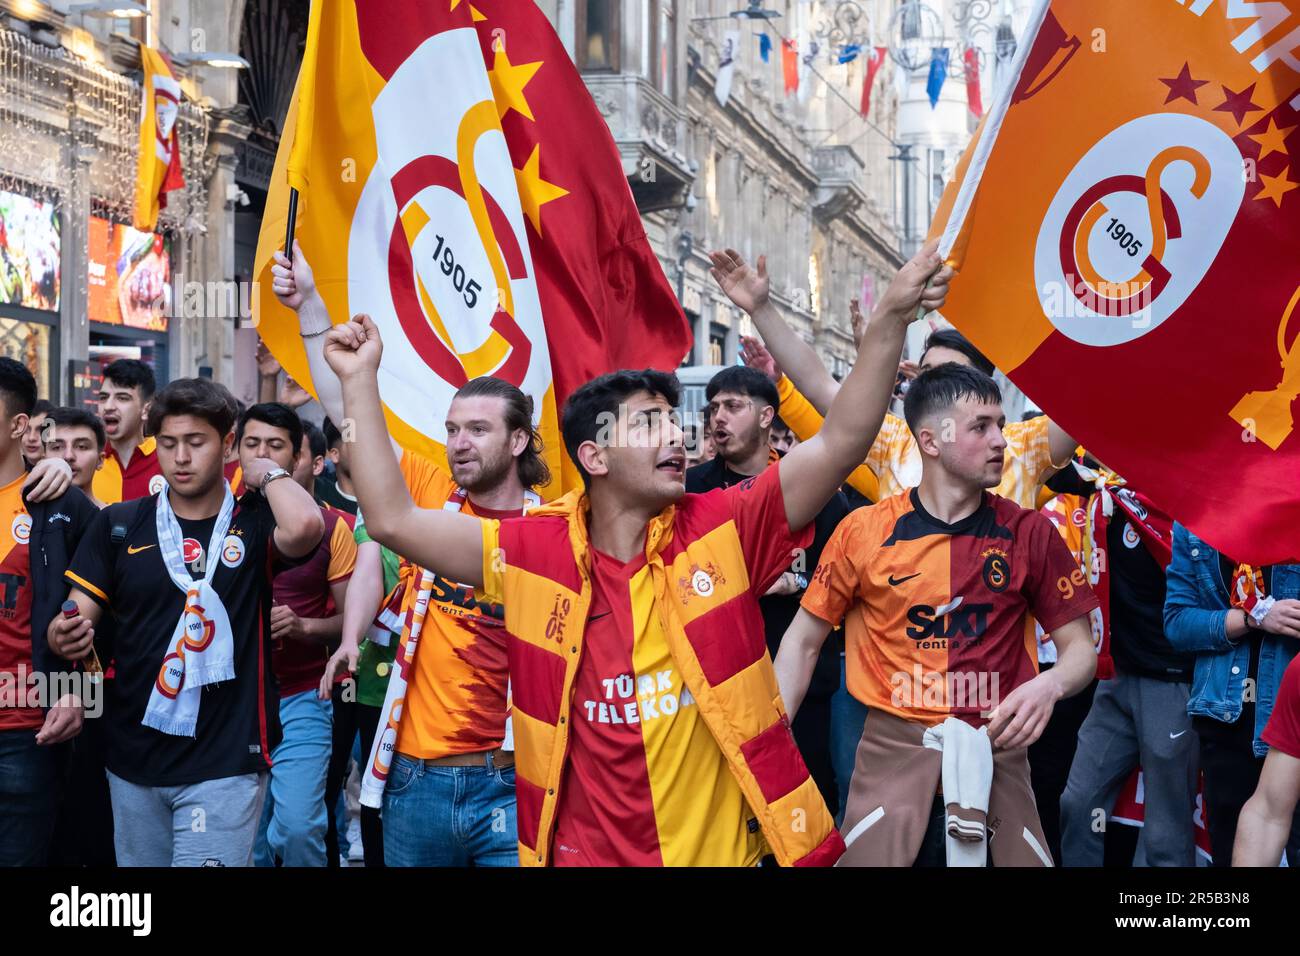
825, 192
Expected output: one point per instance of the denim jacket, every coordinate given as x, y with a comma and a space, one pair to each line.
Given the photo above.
1196, 612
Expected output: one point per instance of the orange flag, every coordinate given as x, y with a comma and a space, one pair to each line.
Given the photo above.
1126, 228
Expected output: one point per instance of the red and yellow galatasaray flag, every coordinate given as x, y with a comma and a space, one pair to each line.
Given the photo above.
1126, 228
458, 184
159, 169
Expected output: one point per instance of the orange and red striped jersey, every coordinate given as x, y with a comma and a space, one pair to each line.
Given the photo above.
15, 607
937, 616
456, 701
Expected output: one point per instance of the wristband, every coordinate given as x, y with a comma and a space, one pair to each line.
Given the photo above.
313, 322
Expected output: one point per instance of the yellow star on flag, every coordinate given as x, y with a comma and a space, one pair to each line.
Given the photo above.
534, 191
1276, 187
508, 82
474, 14
1273, 140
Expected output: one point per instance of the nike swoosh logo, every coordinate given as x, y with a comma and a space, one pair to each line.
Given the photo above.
597, 617
894, 582
144, 547
1177, 735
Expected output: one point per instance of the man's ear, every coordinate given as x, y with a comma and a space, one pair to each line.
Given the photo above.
928, 440
592, 458
18, 425
317, 466
333, 454
766, 416
519, 440
227, 444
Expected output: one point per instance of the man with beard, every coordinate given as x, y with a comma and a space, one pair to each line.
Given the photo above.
449, 799
742, 409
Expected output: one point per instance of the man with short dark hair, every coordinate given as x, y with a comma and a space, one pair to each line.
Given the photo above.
742, 404
33, 725
187, 576
666, 741
131, 467
306, 618
935, 587
84, 835
334, 484
77, 436
33, 438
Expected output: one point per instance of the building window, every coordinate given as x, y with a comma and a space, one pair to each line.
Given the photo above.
598, 35
663, 46
717, 343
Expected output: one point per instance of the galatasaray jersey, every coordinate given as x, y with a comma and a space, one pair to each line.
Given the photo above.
937, 616
646, 784
15, 610
456, 701
140, 478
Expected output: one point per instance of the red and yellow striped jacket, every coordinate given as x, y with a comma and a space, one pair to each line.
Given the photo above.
539, 568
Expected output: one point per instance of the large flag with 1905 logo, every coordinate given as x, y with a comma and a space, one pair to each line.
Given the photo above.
459, 185
1126, 228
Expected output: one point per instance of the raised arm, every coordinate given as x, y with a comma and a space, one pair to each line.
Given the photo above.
1061, 445
295, 287
797, 656
298, 523
443, 541
748, 288
814, 469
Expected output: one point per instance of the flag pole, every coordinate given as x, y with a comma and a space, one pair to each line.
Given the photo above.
291, 222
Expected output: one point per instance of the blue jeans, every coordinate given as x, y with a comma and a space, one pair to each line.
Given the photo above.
30, 784
449, 816
848, 716
293, 820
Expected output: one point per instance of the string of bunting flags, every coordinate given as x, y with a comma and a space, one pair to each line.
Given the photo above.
796, 67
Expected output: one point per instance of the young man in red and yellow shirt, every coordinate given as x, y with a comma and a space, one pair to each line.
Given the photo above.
686, 621
130, 468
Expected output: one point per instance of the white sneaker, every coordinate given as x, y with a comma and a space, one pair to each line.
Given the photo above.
355, 850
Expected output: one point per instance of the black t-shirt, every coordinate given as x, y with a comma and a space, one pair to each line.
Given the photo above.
778, 610
327, 490
1137, 602
119, 564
